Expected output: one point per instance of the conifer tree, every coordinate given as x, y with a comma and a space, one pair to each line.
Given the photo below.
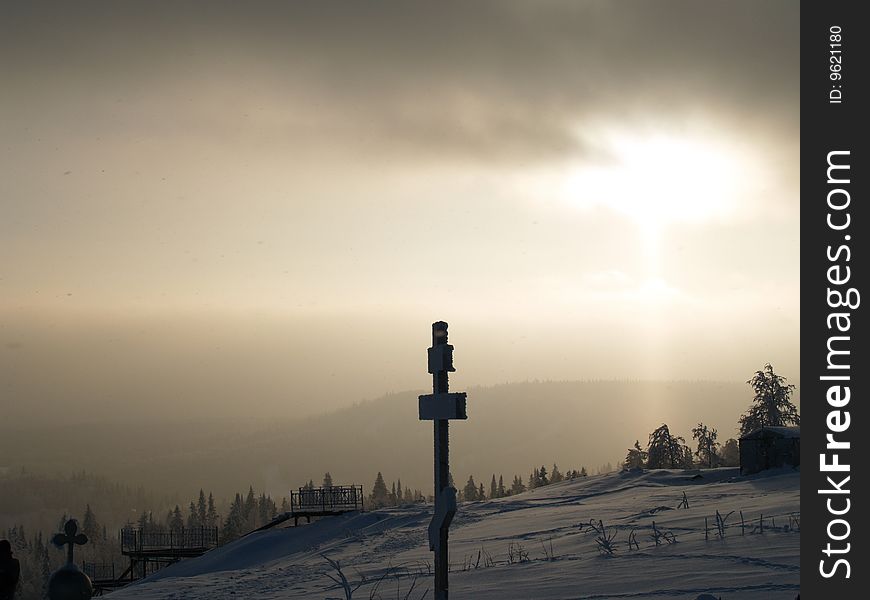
707, 451
667, 451
90, 527
379, 495
211, 515
43, 566
249, 512
730, 453
201, 509
636, 457
193, 521
772, 405
470, 490
262, 510
176, 519
493, 488
688, 459
235, 520
500, 489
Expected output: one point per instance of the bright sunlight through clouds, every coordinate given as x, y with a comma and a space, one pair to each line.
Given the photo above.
661, 179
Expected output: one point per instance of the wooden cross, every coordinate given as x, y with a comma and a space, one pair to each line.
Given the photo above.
70, 538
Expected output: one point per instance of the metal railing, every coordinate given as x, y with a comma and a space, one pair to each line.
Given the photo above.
99, 571
137, 540
327, 499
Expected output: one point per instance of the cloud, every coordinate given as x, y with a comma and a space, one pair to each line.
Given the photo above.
488, 81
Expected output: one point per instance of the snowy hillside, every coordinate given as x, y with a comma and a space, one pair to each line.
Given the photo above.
534, 545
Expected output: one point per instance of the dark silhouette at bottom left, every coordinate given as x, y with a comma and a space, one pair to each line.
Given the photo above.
10, 571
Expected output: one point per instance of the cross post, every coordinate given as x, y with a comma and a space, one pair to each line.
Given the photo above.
441, 406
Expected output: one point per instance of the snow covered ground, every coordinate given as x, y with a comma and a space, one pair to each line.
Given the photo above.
535, 545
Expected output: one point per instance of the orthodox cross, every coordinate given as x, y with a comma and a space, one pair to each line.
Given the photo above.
440, 406
70, 538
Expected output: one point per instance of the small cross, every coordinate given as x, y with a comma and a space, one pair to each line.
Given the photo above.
70, 537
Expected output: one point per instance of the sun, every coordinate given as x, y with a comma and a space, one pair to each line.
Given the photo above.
657, 180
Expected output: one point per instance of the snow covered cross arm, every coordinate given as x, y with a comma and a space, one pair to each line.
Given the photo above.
440, 407
434, 407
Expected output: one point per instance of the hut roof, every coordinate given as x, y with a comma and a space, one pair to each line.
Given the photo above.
779, 432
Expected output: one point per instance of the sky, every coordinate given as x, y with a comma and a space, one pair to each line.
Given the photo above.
259, 208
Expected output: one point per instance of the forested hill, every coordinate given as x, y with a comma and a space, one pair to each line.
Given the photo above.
510, 427
39, 502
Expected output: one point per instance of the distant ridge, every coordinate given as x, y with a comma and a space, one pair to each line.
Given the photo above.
511, 428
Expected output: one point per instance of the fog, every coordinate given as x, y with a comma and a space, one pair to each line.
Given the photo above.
259, 368
510, 429
256, 211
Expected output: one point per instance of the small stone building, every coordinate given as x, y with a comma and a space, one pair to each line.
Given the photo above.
770, 447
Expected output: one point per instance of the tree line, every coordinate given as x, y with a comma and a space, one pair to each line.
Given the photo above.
381, 496
771, 407
39, 558
245, 513
36, 560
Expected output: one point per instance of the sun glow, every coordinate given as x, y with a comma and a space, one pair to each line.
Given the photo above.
658, 180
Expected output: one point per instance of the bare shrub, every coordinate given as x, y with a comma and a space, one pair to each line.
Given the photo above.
548, 551
605, 539
517, 554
